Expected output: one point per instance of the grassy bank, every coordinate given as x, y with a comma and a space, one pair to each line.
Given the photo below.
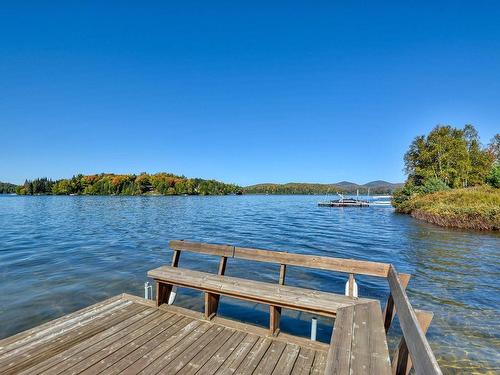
472, 208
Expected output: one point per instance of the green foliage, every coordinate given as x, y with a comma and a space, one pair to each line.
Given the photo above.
433, 185
493, 178
112, 184
452, 155
6, 188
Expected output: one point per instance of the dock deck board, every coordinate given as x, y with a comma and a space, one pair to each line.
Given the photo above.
130, 335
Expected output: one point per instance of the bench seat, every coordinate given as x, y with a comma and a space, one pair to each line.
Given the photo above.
321, 303
359, 344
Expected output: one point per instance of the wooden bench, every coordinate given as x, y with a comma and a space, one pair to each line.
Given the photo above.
302, 299
358, 344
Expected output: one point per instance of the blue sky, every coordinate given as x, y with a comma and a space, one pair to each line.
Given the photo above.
262, 92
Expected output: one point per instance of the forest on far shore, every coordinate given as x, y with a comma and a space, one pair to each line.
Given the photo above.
126, 184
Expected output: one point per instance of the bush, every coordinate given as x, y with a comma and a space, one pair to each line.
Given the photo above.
493, 178
433, 185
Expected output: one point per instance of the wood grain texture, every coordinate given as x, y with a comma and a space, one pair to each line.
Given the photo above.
281, 257
256, 291
420, 350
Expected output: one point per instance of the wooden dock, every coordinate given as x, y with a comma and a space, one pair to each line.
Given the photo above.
132, 335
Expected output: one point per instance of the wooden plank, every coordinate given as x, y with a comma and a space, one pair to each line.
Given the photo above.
314, 261
287, 360
270, 360
401, 362
22, 358
339, 355
304, 362
191, 331
319, 364
244, 327
380, 362
109, 355
256, 291
178, 321
202, 248
200, 352
73, 354
83, 360
207, 363
254, 356
390, 310
301, 260
24, 337
191, 351
369, 353
59, 326
238, 355
420, 350
162, 364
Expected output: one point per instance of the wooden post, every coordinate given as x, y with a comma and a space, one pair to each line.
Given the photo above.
351, 285
212, 300
390, 309
274, 320
401, 361
211, 303
222, 265
275, 311
281, 280
163, 290
175, 258
162, 293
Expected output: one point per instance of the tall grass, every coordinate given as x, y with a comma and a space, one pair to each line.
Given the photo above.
470, 208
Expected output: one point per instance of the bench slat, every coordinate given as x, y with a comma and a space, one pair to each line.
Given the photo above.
256, 291
359, 344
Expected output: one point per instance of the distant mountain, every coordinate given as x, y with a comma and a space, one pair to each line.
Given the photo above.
376, 187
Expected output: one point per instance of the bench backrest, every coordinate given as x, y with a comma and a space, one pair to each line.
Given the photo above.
350, 266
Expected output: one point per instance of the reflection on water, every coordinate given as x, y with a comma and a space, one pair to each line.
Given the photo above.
59, 254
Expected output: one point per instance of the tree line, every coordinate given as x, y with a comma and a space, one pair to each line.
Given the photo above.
6, 188
307, 188
127, 184
449, 158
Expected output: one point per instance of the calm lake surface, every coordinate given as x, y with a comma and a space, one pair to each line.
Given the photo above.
60, 254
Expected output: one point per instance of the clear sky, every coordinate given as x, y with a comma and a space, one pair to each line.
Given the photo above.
262, 92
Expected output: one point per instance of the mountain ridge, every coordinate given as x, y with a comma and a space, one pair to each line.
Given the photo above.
376, 187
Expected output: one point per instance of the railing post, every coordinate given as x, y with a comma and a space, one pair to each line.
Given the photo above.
390, 309
401, 361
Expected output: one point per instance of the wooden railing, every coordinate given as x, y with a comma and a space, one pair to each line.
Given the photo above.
413, 349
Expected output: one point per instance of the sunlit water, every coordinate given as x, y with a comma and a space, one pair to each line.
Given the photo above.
59, 254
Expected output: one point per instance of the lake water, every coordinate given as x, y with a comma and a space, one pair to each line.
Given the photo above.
60, 254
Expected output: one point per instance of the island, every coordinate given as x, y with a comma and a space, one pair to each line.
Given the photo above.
452, 180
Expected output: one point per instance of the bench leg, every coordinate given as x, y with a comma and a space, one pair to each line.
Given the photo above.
274, 320
162, 293
211, 304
